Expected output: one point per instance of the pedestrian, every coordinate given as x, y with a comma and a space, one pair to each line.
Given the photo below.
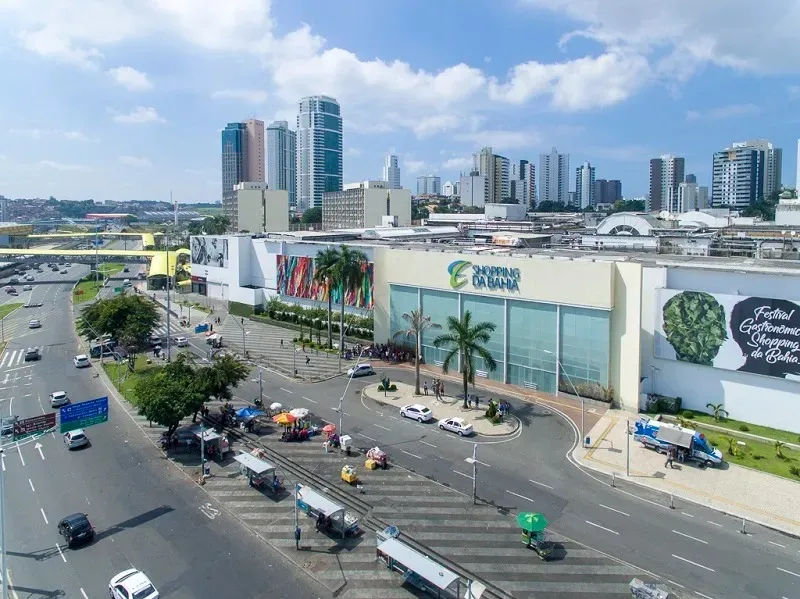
477, 399
281, 342
242, 321
211, 328
308, 360
426, 387
670, 458
441, 389
304, 347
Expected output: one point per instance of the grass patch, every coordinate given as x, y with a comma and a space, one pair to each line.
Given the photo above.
7, 309
110, 268
129, 379
757, 455
86, 291
754, 429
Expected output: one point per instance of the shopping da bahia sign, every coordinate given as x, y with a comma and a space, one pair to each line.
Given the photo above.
493, 278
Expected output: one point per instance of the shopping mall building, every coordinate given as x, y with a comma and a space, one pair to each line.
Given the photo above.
706, 330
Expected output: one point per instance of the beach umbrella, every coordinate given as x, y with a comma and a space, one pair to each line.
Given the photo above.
531, 521
285, 419
328, 428
275, 406
299, 413
248, 413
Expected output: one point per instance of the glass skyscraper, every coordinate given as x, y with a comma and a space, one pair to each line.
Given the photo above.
319, 150
234, 159
282, 159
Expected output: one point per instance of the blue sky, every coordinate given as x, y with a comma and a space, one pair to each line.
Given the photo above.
124, 99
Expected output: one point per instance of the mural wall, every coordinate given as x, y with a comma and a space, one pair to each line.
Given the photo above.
296, 279
210, 251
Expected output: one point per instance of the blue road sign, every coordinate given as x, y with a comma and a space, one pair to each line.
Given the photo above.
84, 414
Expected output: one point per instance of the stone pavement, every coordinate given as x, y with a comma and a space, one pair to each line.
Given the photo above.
743, 492
444, 407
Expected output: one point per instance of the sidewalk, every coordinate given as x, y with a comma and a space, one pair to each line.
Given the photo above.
742, 492
446, 407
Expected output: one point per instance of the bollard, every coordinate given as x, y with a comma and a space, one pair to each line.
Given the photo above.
613, 479
671, 501
744, 527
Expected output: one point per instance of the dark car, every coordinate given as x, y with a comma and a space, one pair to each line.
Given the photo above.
126, 269
32, 353
12, 291
76, 529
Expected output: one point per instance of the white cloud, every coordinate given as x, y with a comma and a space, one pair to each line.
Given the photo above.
508, 140
138, 116
76, 136
135, 161
251, 96
414, 166
62, 166
352, 152
39, 134
723, 112
461, 163
131, 79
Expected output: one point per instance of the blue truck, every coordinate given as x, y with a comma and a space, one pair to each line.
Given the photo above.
690, 444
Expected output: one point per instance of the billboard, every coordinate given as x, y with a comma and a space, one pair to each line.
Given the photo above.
210, 251
296, 279
759, 335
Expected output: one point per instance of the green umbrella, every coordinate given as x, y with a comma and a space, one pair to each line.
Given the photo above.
531, 521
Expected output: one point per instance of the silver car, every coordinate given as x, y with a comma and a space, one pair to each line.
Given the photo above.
76, 438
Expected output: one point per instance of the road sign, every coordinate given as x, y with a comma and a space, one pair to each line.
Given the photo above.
37, 424
117, 289
84, 414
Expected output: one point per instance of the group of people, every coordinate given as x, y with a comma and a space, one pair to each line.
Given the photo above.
388, 352
437, 387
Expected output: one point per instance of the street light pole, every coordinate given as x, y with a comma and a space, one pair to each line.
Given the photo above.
349, 380
260, 387
560, 366
3, 567
169, 332
475, 474
628, 448
202, 450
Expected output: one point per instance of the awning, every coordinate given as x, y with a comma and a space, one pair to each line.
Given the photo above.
254, 464
318, 502
677, 436
208, 435
421, 564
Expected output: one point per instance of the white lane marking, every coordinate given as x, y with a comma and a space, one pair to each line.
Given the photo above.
428, 444
20, 454
683, 559
3, 361
30, 482
411, 454
776, 544
698, 593
611, 509
309, 399
44, 516
38, 447
672, 582
87, 501
687, 514
287, 391
209, 510
370, 438
520, 496
61, 553
393, 417
602, 527
714, 523
683, 534
85, 596
383, 427
536, 482
334, 409
462, 474
789, 572
483, 463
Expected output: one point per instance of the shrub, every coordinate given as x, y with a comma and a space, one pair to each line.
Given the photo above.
491, 411
392, 387
744, 428
661, 403
294, 340
688, 414
794, 470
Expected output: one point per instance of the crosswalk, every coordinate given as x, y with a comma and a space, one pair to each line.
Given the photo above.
15, 358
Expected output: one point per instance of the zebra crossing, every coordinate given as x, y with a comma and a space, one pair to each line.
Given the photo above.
15, 325
15, 358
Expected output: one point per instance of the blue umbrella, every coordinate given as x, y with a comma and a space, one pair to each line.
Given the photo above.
247, 412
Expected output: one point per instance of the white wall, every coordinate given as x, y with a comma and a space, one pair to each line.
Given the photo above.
764, 400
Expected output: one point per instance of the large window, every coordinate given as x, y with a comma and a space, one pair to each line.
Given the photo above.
488, 309
532, 345
584, 347
438, 305
402, 300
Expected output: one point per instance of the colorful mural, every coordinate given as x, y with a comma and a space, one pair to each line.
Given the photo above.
296, 279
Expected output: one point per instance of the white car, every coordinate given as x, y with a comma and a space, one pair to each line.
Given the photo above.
81, 361
132, 584
76, 438
181, 342
27, 287
35, 324
360, 370
456, 425
416, 412
58, 399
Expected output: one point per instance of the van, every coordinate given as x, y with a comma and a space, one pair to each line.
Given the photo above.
126, 283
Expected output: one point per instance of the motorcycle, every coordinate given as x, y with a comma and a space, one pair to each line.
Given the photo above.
258, 403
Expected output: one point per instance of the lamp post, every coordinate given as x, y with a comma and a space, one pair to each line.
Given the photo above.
169, 333
474, 461
627, 448
349, 380
3, 568
559, 365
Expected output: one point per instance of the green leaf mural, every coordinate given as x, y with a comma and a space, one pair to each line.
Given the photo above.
695, 326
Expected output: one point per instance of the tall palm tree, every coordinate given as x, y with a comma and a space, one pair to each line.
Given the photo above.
417, 325
466, 340
347, 275
324, 271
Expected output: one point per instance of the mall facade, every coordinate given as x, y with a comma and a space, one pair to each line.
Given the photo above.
706, 330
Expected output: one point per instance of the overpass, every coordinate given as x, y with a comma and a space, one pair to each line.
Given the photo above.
148, 239
157, 258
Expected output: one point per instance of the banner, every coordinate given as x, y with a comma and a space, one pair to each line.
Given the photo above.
210, 251
296, 279
758, 335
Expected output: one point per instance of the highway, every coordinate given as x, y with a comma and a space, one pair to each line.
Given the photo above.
145, 511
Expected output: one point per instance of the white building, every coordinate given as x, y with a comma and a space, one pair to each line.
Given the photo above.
502, 178
450, 189
319, 150
366, 204
584, 185
282, 160
473, 190
691, 196
554, 177
256, 209
391, 171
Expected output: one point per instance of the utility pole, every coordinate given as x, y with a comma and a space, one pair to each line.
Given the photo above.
202, 450
260, 387
341, 399
628, 448
169, 332
296, 521
3, 568
475, 474
96, 261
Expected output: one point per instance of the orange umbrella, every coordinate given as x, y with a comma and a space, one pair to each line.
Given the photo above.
284, 418
328, 428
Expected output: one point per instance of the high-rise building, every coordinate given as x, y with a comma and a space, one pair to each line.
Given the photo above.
430, 185
584, 185
770, 166
449, 189
473, 189
797, 175
391, 171
234, 161
282, 160
502, 173
691, 178
691, 196
607, 191
554, 177
366, 204
254, 150
666, 173
319, 150
737, 178
253, 208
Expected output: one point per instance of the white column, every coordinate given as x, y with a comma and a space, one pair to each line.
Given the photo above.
460, 315
505, 340
558, 345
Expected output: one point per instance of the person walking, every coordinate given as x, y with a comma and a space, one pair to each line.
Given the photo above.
670, 458
425, 387
281, 342
308, 360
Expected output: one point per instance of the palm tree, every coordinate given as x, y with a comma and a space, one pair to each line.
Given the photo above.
717, 410
417, 325
347, 274
466, 341
324, 266
779, 449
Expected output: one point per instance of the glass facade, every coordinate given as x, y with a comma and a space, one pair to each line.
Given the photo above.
534, 344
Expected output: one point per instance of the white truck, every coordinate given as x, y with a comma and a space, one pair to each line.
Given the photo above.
662, 436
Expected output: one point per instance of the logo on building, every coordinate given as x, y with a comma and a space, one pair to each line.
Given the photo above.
457, 277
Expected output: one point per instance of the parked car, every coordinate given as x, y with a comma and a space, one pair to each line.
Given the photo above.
58, 399
456, 425
416, 412
81, 361
12, 291
63, 271
360, 370
76, 438
76, 529
132, 584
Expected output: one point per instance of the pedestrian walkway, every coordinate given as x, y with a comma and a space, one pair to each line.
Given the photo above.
756, 496
444, 407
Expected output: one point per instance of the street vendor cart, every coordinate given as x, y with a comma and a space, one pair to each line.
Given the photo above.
376, 458
349, 475
260, 474
534, 533
330, 516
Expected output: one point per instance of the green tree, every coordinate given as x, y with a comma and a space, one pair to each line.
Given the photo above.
627, 206
550, 206
418, 323
473, 210
419, 212
347, 275
324, 266
219, 379
466, 342
169, 394
213, 225
130, 319
718, 411
312, 216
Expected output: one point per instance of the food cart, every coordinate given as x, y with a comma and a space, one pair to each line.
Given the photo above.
534, 533
260, 474
376, 458
216, 445
349, 475
330, 516
214, 340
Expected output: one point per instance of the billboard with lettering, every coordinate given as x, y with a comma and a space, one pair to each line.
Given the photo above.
759, 335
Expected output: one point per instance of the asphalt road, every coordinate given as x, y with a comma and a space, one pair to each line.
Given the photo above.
145, 511
698, 551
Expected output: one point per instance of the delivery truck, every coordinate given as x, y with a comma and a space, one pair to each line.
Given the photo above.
690, 444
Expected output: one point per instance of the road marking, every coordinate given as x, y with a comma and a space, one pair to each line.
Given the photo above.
393, 417
85, 596
20, 454
370, 438
672, 582
687, 514
776, 544
683, 534
44, 516
87, 501
309, 399
701, 595
789, 572
209, 510
462, 474
483, 463
714, 523
611, 509
683, 559
536, 482
411, 454
383, 427
38, 447
61, 553
520, 496
30, 482
602, 527
287, 391
428, 444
